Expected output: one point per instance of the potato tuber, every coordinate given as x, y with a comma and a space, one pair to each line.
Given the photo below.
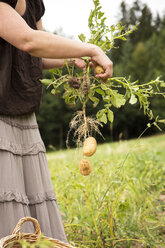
99, 69
85, 167
89, 146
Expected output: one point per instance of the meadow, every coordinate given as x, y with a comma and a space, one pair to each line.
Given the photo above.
122, 202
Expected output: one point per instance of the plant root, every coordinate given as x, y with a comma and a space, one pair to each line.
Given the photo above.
83, 127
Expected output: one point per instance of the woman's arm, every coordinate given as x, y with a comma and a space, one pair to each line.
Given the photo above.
52, 63
45, 45
56, 63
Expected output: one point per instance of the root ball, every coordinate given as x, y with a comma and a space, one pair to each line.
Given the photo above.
74, 82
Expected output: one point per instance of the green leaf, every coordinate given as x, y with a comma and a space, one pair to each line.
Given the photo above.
46, 81
70, 100
103, 20
133, 99
103, 86
110, 115
112, 28
127, 94
101, 115
103, 119
53, 91
69, 97
94, 99
100, 91
162, 84
82, 37
106, 98
107, 106
117, 99
100, 14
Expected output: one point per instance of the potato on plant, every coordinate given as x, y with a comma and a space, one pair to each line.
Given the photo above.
99, 69
89, 146
85, 167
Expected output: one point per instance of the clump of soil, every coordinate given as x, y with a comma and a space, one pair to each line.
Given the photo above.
74, 82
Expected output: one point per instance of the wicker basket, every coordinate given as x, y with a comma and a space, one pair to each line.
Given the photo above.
17, 235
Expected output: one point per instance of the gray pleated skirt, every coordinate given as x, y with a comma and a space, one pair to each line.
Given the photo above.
25, 183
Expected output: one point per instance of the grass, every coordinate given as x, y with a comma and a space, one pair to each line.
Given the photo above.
121, 203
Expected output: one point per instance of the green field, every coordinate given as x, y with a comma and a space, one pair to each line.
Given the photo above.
122, 202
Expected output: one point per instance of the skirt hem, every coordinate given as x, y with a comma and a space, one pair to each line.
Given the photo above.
27, 200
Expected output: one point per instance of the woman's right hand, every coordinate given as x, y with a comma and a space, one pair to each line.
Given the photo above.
100, 58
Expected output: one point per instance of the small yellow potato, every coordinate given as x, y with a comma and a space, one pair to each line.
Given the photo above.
89, 146
85, 167
99, 69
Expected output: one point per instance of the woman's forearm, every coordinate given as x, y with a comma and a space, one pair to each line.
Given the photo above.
58, 63
47, 45
52, 63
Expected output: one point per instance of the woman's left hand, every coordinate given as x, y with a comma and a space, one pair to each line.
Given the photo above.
78, 62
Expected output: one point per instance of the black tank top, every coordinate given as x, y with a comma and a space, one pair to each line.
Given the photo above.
20, 73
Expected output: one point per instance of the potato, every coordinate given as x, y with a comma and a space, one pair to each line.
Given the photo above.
99, 69
89, 146
85, 167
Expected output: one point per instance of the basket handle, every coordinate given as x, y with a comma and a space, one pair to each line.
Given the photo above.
17, 229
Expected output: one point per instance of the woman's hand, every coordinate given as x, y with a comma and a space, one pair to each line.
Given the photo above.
78, 62
100, 58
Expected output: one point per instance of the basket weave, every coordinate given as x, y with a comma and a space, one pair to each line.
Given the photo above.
17, 235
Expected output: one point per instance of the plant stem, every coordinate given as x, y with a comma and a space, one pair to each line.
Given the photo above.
110, 221
85, 119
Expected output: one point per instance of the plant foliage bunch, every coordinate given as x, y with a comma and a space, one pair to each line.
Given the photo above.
83, 87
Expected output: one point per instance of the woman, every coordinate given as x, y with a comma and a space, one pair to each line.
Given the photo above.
25, 183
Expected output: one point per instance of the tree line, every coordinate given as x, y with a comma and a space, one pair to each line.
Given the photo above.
141, 57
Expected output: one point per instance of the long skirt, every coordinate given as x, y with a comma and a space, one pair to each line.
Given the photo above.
25, 183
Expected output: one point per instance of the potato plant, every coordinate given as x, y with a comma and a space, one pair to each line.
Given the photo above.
84, 87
